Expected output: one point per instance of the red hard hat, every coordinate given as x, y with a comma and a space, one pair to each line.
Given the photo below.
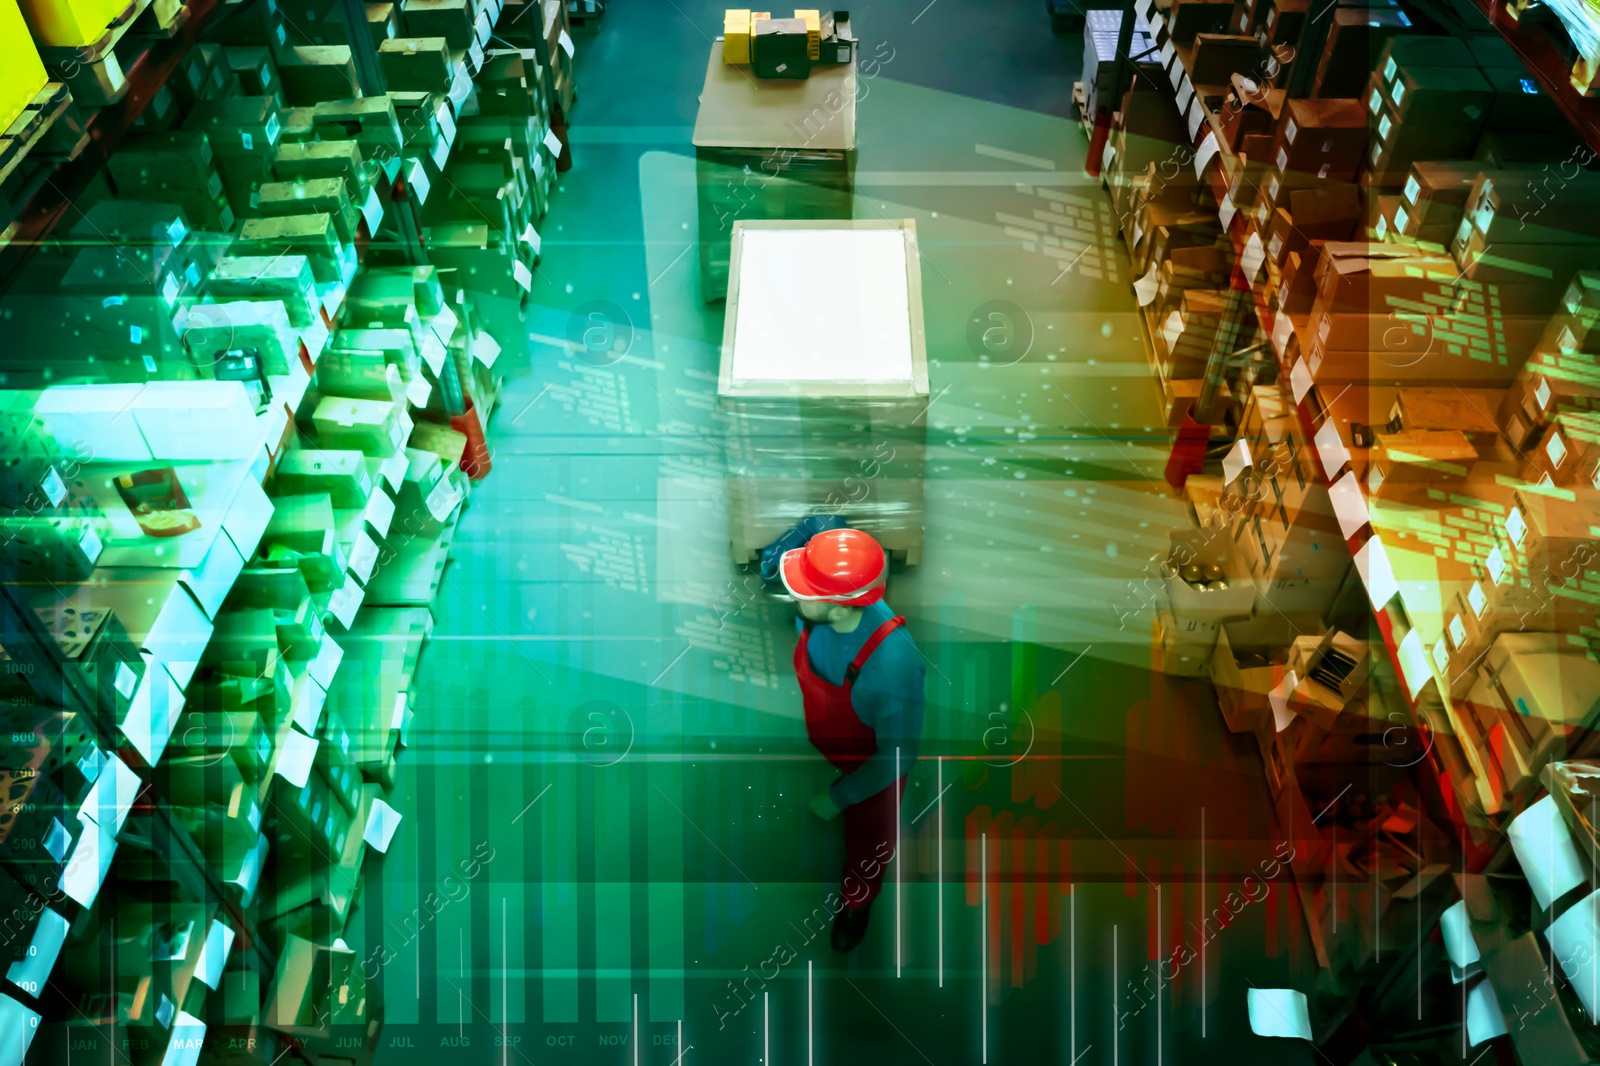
844, 566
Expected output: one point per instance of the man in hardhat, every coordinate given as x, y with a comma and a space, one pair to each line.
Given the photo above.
861, 681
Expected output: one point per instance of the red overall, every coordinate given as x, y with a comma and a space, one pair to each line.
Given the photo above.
842, 738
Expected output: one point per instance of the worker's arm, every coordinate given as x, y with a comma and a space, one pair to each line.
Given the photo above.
888, 697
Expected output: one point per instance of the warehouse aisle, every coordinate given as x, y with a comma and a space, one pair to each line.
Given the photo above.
609, 713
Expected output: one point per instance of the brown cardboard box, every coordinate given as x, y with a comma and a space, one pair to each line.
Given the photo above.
1249, 108
1363, 278
1468, 410
1177, 399
1323, 139
1558, 206
1356, 37
1418, 50
1190, 17
1505, 261
1218, 57
1298, 289
1246, 664
1515, 108
1436, 458
1283, 21
1422, 95
1525, 410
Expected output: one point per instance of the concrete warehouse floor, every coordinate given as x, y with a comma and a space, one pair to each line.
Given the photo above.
622, 737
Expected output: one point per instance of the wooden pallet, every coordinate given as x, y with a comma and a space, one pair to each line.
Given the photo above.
30, 127
93, 71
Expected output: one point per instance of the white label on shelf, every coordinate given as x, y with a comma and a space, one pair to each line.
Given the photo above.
1185, 97
1289, 130
1167, 54
1397, 92
485, 349
1197, 115
247, 140
1282, 330
1172, 329
1283, 159
1145, 288
55, 489
1384, 126
1330, 448
522, 274
552, 142
1349, 505
1225, 210
1415, 667
1234, 463
1175, 75
382, 819
566, 43
1458, 631
1252, 258
372, 210
1208, 148
1383, 226
1372, 563
135, 335
1282, 716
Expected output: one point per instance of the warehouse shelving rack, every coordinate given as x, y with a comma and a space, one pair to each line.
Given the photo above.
391, 612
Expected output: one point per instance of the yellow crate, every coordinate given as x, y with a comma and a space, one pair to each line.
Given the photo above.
736, 23
813, 21
21, 72
70, 23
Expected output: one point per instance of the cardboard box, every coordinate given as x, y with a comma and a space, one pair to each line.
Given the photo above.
1245, 666
372, 427
1536, 209
1249, 108
416, 64
312, 235
449, 19
1217, 57
1190, 17
1282, 21
1356, 37
1320, 139
340, 474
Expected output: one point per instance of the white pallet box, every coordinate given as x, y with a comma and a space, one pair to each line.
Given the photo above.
197, 420
824, 380
92, 419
